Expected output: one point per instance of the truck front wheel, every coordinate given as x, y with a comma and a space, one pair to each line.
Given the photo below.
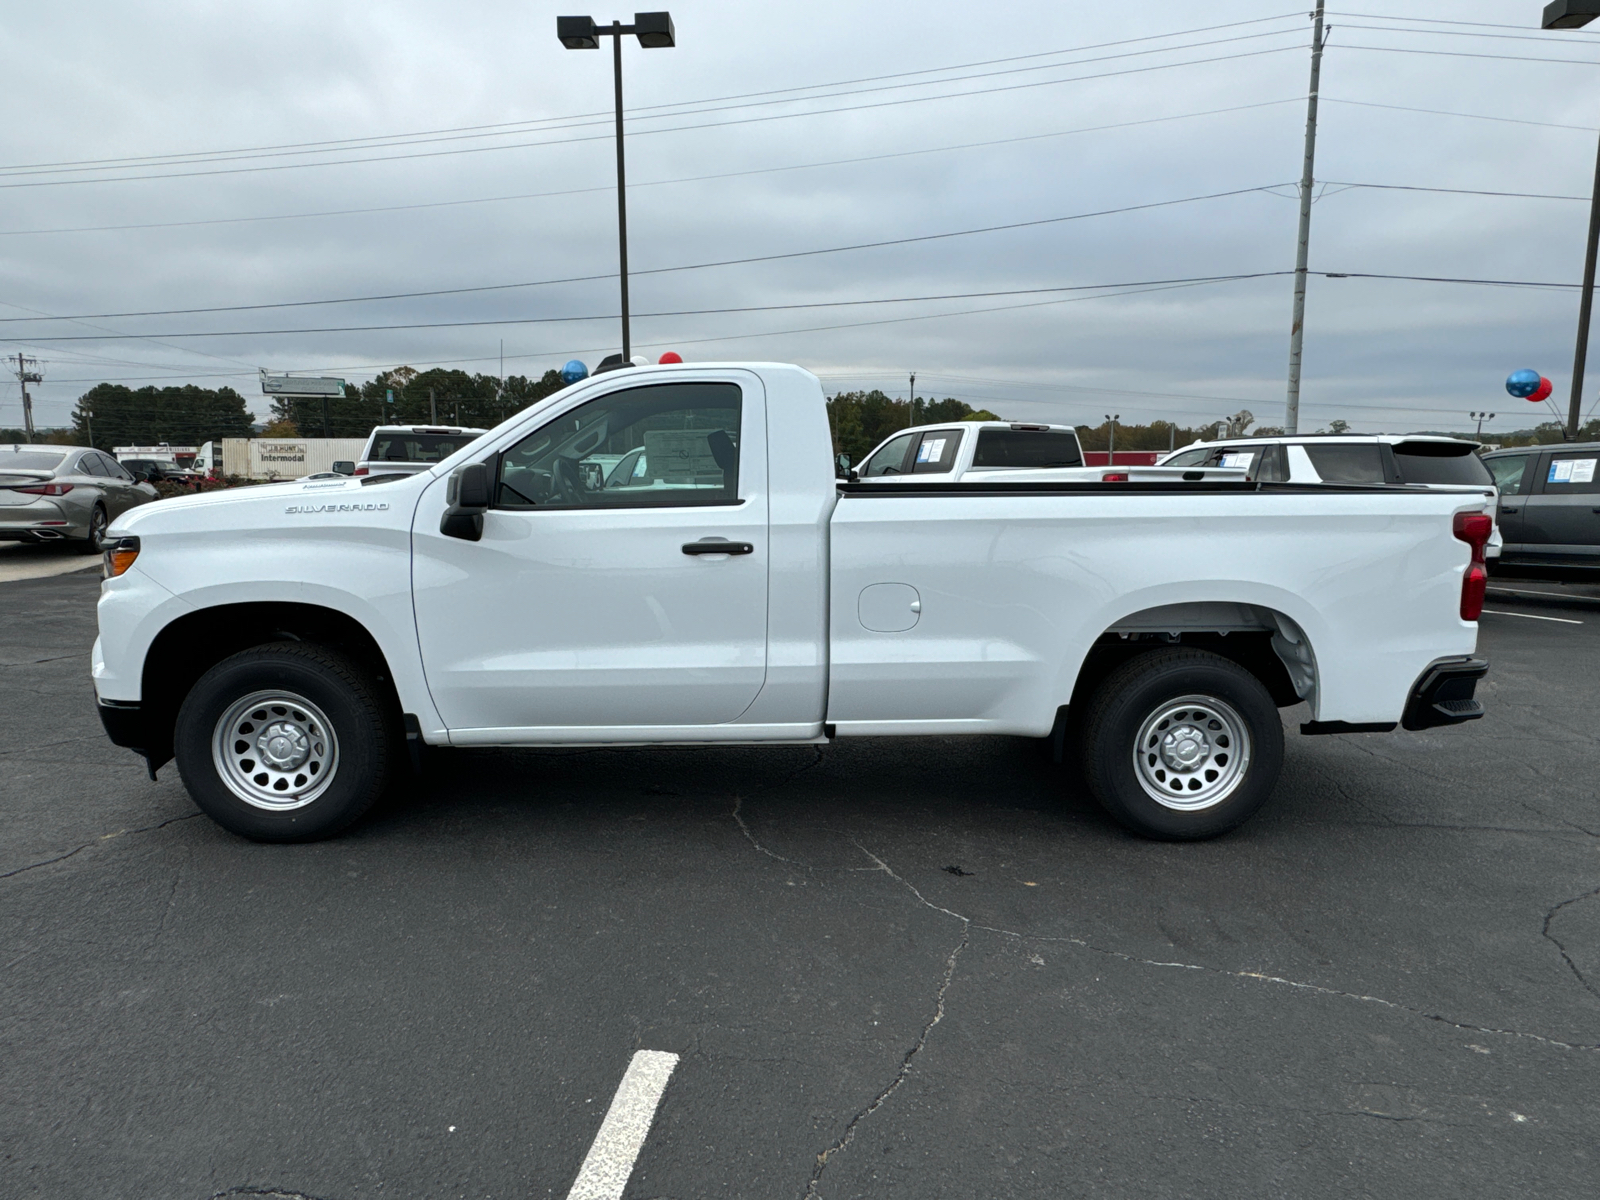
1182, 744
286, 742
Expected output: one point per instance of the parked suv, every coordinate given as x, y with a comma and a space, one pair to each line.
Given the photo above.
64, 494
1549, 504
408, 449
1415, 458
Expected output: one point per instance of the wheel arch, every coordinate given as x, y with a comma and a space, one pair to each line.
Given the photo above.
190, 645
1262, 639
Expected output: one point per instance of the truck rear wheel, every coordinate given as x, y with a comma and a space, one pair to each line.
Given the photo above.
1182, 744
286, 742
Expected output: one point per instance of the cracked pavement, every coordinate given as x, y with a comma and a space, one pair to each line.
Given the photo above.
910, 968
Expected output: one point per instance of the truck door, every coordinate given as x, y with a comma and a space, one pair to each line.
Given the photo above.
598, 599
1513, 477
1562, 517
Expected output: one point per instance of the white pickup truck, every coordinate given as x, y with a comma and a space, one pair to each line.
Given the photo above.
973, 451
287, 643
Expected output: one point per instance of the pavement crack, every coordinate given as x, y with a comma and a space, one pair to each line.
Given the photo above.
1561, 949
102, 838
266, 1193
904, 1072
738, 806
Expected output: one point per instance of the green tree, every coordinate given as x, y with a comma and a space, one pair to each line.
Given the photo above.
401, 397
181, 416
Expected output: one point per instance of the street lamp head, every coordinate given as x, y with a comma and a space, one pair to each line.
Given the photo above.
577, 33
654, 30
1570, 14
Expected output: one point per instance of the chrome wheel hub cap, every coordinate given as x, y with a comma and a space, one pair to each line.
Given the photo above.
1192, 752
275, 750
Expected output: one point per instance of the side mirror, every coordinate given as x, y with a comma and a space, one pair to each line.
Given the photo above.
467, 495
842, 467
344, 467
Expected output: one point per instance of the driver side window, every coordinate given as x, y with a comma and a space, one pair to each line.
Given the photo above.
666, 445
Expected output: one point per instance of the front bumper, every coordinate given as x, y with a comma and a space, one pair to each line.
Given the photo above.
124, 723
1443, 695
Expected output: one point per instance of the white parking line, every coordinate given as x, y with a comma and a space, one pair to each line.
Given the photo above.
1531, 616
610, 1160
1509, 591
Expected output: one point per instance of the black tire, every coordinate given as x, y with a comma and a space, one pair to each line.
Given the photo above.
95, 543
359, 741
1184, 705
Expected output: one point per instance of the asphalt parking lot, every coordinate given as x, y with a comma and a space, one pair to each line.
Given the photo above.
909, 969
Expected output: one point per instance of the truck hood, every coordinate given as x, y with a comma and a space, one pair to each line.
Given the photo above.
255, 506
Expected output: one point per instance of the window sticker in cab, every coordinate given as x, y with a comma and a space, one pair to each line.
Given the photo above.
931, 450
1239, 458
1571, 470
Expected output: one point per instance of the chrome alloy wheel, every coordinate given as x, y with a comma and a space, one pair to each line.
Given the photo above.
275, 750
1192, 753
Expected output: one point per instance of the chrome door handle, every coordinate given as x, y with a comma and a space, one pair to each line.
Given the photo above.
718, 548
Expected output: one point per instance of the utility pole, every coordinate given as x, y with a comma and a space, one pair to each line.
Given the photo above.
1297, 330
912, 406
433, 409
27, 371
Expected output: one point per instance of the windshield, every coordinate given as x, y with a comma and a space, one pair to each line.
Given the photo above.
1187, 458
418, 447
1440, 462
1027, 448
31, 460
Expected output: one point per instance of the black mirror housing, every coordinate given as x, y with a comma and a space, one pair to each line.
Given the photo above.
467, 495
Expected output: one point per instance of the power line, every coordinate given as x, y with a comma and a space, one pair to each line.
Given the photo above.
1578, 62
645, 132
1031, 137
637, 110
696, 312
1404, 187
1514, 37
661, 270
1446, 21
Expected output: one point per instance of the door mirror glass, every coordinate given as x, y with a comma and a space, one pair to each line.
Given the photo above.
344, 467
842, 462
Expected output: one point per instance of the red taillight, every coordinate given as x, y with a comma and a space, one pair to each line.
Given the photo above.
46, 489
361, 470
1473, 529
1114, 477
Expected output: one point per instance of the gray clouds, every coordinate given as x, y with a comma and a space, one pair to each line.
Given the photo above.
97, 80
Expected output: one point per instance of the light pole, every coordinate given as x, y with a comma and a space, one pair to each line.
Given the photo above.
1574, 14
1111, 455
1480, 418
654, 31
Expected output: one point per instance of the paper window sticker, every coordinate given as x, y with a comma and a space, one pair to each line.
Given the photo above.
937, 453
1239, 458
922, 451
1583, 470
1560, 472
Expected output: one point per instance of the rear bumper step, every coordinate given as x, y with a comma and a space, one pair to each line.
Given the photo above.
1443, 696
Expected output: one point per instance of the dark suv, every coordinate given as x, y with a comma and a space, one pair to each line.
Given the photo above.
1549, 504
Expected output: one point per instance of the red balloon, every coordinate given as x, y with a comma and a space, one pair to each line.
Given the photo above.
672, 356
1542, 392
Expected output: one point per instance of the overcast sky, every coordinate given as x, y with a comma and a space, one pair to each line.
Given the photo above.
862, 150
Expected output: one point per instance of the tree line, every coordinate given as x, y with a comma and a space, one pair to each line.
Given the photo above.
112, 414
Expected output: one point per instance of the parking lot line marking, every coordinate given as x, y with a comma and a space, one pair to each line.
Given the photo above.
1507, 591
610, 1160
1495, 612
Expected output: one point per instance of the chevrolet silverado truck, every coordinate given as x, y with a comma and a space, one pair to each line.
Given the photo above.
289, 644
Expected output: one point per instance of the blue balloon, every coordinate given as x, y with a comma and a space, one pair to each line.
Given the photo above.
575, 370
1522, 384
